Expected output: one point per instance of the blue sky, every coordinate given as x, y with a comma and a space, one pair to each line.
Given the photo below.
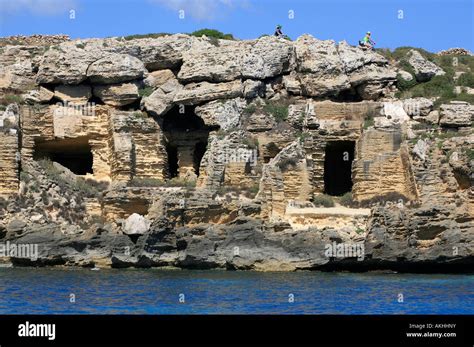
430, 24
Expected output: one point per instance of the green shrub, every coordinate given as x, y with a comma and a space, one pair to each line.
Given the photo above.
145, 36
147, 91
402, 53
403, 84
368, 120
180, 182
302, 136
445, 99
250, 109
212, 33
466, 80
469, 152
8, 99
146, 182
346, 200
277, 109
25, 177
49, 169
139, 114
84, 187
250, 142
253, 190
323, 200
249, 192
154, 182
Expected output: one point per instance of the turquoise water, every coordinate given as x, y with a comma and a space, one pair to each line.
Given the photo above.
128, 291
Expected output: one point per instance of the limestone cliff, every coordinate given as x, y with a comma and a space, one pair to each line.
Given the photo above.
202, 153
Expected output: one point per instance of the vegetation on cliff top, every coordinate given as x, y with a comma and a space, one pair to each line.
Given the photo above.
459, 73
211, 33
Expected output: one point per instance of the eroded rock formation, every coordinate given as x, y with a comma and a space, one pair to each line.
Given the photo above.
199, 153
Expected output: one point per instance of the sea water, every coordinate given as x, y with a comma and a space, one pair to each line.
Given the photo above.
152, 291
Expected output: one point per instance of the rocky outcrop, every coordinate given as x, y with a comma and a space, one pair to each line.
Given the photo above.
455, 51
162, 99
456, 114
196, 152
116, 68
424, 69
117, 94
196, 93
284, 178
79, 94
264, 58
225, 115
326, 69
34, 40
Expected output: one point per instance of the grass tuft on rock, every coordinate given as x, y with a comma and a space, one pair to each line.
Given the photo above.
323, 200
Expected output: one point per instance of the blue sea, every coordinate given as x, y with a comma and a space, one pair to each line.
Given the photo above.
153, 291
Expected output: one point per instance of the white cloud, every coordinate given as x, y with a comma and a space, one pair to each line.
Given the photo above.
202, 9
41, 7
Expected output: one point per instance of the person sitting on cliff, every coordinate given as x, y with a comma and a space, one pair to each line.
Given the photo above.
367, 42
278, 32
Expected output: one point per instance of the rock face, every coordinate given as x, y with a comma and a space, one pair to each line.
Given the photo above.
196, 93
264, 58
117, 94
254, 154
456, 114
136, 225
116, 68
74, 94
225, 115
65, 64
326, 69
424, 69
162, 99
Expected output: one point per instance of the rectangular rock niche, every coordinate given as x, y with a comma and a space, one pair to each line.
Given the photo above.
338, 167
186, 141
74, 153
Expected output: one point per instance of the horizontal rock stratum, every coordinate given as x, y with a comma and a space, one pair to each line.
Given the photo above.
257, 154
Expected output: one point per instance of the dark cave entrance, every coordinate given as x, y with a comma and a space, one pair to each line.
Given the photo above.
338, 167
74, 154
172, 152
199, 151
186, 136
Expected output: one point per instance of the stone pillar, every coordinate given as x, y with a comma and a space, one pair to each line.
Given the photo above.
186, 162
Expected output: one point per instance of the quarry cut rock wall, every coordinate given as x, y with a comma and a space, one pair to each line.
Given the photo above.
254, 154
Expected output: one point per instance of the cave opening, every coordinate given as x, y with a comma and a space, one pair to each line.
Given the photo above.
199, 151
172, 152
186, 137
72, 153
347, 95
338, 167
